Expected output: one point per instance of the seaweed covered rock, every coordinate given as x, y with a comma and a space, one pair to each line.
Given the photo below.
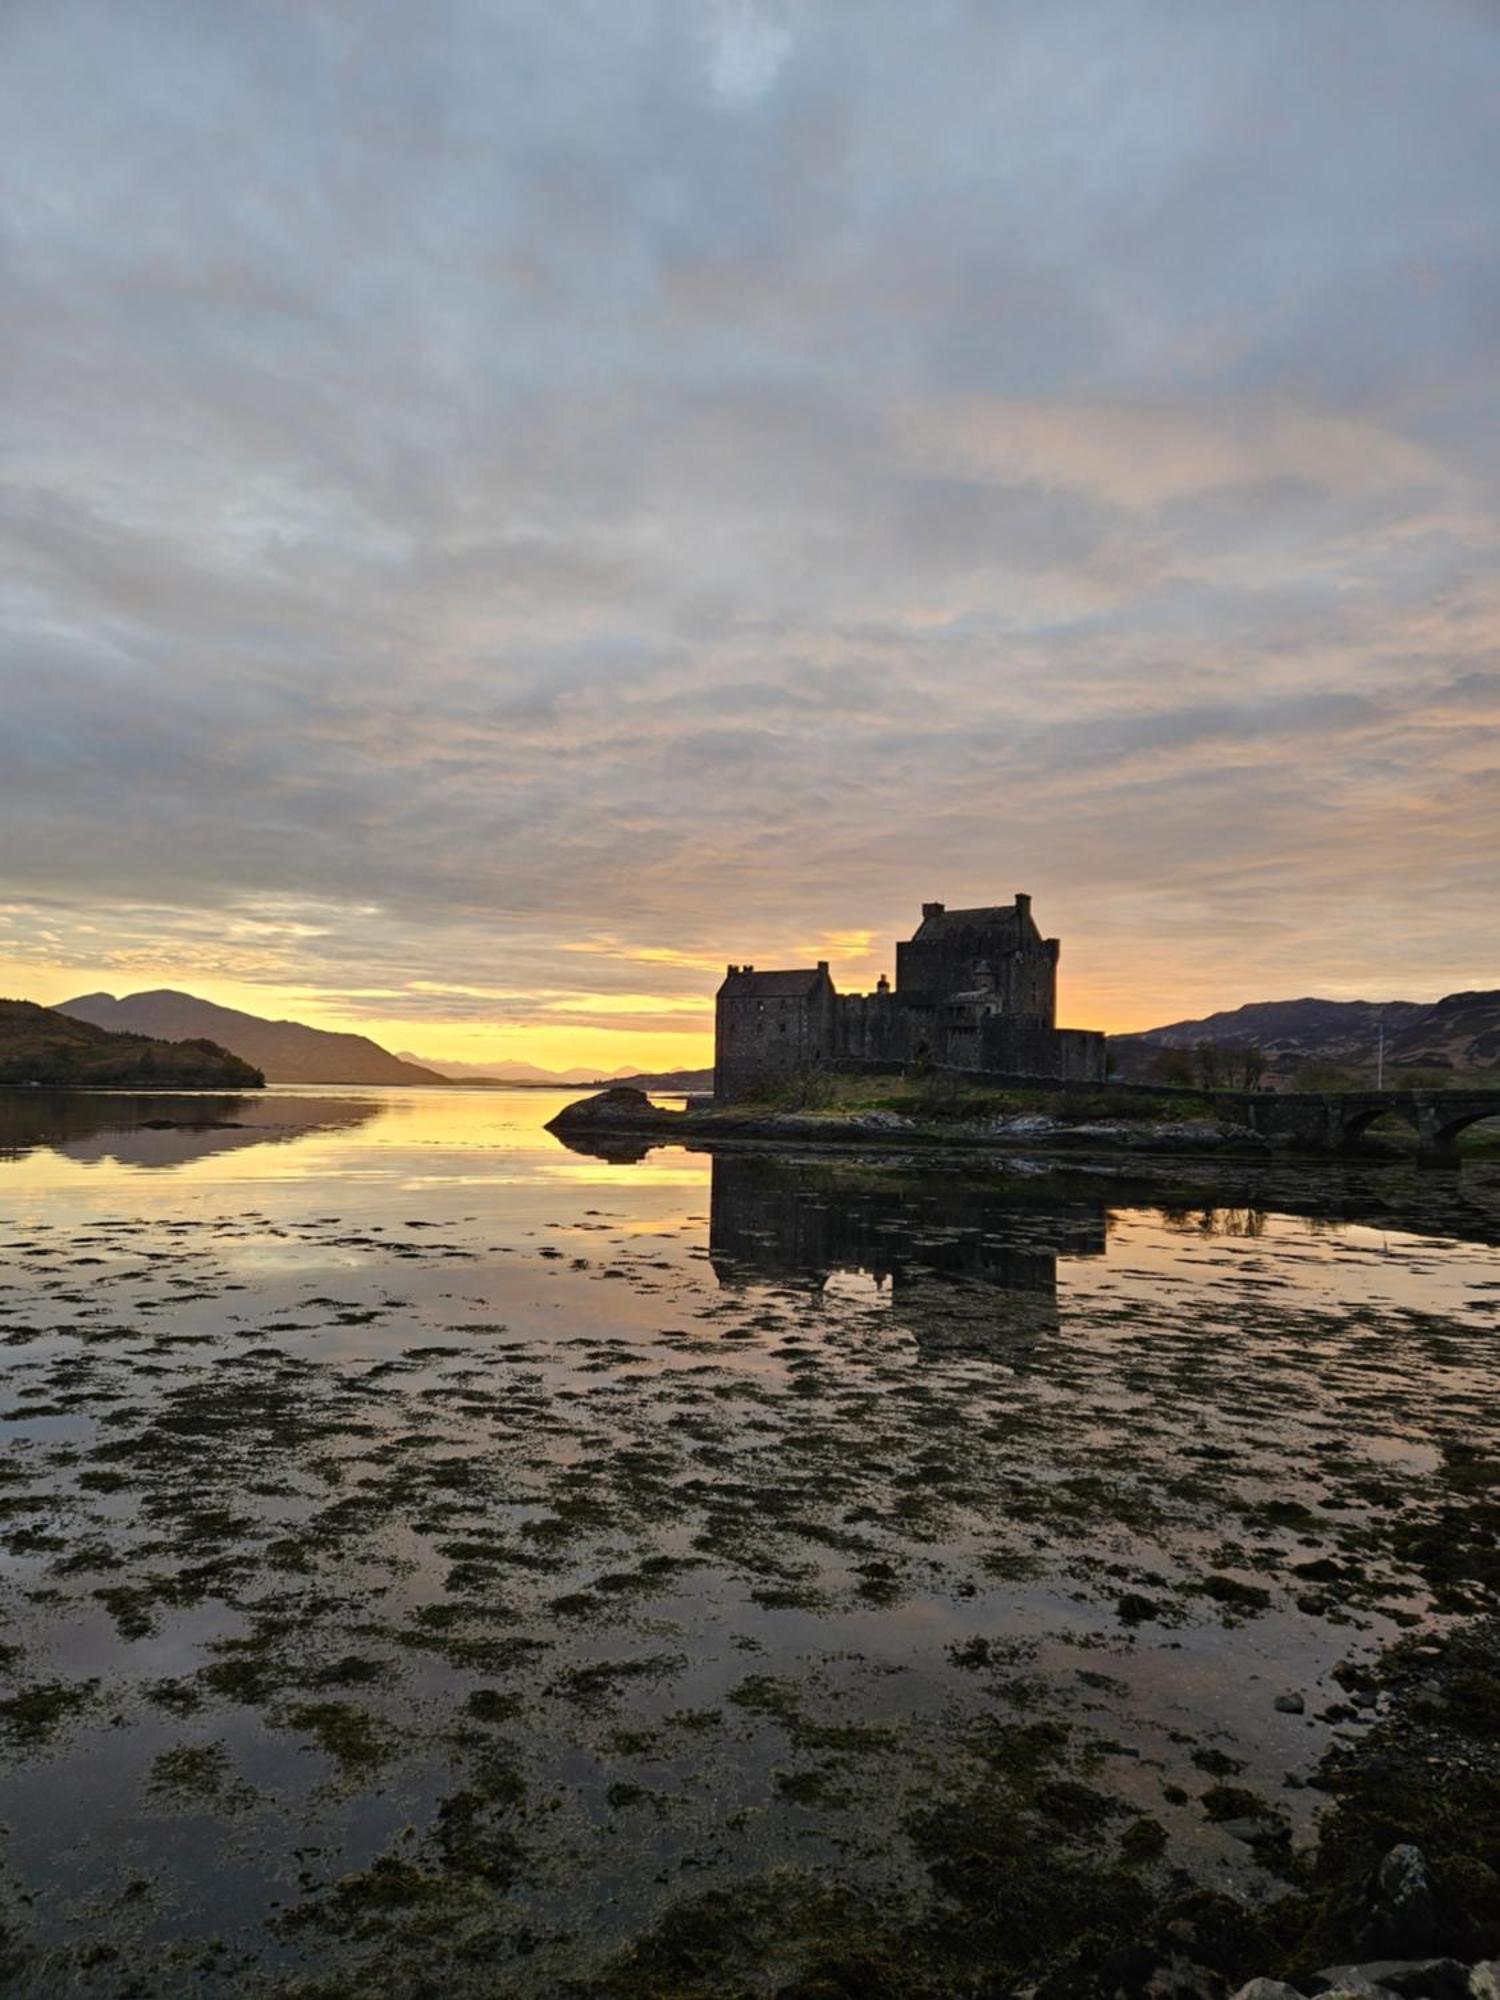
1401, 1917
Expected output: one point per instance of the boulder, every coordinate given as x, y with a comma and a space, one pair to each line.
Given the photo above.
1400, 1916
1409, 1978
622, 1104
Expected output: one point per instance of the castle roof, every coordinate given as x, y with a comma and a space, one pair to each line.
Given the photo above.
938, 922
743, 981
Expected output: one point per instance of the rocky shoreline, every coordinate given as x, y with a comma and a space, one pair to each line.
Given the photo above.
1400, 1897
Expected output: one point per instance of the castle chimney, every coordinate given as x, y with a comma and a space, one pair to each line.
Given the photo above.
822, 965
1023, 906
932, 910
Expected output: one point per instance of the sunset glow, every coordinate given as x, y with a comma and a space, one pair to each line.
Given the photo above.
731, 477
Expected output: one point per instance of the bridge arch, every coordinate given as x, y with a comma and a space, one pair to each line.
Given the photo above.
1354, 1124
1445, 1131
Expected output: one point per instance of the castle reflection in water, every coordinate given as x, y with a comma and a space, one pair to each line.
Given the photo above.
968, 1268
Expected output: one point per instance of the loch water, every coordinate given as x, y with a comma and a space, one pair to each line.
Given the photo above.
425, 1545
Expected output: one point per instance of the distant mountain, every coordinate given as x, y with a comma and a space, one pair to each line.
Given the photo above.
510, 1071
286, 1051
1459, 1033
46, 1046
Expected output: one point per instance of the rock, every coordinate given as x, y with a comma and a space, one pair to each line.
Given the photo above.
1267, 1989
622, 1102
1290, 1704
1026, 1125
1484, 1980
1354, 1981
1133, 1609
1400, 1915
1181, 1979
1428, 1979
1408, 1978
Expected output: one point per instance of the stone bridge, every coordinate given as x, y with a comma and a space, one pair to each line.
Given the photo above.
1309, 1121
1329, 1121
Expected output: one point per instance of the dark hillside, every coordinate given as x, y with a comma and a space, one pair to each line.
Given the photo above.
39, 1045
1458, 1035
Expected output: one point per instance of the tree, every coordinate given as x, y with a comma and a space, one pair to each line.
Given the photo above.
1245, 1065
1173, 1066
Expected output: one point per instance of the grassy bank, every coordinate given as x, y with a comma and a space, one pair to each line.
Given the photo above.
937, 1098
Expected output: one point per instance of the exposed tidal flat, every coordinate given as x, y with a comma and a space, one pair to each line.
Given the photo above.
435, 1560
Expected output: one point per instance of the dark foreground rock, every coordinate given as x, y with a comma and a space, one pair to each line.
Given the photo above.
1386, 1979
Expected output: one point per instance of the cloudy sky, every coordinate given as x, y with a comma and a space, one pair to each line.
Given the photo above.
509, 504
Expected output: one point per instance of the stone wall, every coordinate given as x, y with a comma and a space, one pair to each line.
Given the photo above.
1032, 1048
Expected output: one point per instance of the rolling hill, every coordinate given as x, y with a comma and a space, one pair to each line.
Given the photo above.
44, 1045
286, 1051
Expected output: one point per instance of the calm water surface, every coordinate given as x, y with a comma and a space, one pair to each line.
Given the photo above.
412, 1529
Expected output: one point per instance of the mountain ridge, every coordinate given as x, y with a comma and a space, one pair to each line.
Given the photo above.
285, 1051
291, 1052
1460, 1033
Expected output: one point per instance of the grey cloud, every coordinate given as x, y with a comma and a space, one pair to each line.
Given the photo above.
541, 472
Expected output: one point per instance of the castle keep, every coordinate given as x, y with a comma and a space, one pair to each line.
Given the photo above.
975, 989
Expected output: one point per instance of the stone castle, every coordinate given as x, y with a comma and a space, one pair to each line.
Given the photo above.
975, 989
